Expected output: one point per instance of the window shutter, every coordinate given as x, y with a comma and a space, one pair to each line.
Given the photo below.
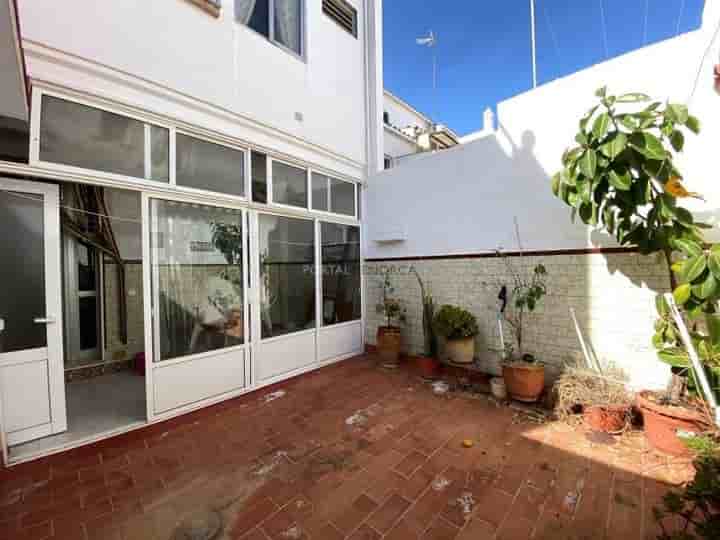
342, 13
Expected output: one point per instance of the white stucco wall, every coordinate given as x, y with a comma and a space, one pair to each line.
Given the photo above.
465, 200
396, 145
172, 58
401, 115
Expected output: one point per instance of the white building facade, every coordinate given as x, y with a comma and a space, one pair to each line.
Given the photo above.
189, 206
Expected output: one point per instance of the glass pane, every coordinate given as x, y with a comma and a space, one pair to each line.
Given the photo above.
342, 197
259, 177
319, 192
288, 23
254, 13
88, 323
208, 166
82, 136
340, 273
160, 154
197, 265
289, 185
22, 272
87, 267
287, 275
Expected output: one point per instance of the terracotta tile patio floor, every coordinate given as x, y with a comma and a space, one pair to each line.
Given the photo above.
349, 451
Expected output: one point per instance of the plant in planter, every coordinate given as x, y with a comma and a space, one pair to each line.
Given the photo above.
459, 328
524, 376
604, 398
694, 512
427, 363
620, 178
389, 336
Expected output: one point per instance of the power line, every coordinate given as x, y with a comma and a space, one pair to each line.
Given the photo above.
604, 30
682, 8
553, 37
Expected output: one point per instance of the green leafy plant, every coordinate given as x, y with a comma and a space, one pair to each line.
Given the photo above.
620, 178
525, 296
428, 313
697, 506
390, 307
453, 322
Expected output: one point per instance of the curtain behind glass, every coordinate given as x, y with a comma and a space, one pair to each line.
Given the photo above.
288, 23
197, 272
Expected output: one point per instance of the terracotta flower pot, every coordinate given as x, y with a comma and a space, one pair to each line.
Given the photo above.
389, 342
662, 424
524, 381
610, 419
460, 351
427, 366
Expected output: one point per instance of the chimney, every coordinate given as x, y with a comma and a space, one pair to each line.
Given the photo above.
488, 121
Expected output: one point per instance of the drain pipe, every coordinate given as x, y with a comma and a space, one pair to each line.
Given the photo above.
694, 358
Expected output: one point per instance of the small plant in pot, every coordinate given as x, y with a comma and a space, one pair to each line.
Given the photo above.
389, 336
427, 362
459, 328
603, 397
620, 178
524, 376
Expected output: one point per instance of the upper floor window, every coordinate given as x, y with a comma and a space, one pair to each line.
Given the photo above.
386, 117
278, 20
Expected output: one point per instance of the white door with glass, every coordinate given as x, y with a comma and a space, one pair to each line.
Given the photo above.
284, 295
32, 389
197, 308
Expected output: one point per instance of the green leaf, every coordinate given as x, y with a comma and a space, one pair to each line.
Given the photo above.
588, 163
585, 119
648, 145
693, 124
694, 267
556, 184
682, 294
581, 138
601, 92
706, 289
677, 140
714, 263
675, 357
600, 126
690, 248
633, 97
621, 181
677, 113
614, 147
661, 305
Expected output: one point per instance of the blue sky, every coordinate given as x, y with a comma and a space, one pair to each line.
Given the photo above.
484, 46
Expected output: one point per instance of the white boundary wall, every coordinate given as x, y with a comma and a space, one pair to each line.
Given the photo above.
464, 200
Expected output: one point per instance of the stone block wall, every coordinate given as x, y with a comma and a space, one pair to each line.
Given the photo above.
611, 293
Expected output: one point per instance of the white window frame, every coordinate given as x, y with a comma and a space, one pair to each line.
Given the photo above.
34, 154
207, 192
319, 283
170, 188
271, 31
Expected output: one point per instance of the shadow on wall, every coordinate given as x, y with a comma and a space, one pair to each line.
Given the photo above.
446, 214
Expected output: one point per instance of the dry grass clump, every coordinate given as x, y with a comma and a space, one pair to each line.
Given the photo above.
588, 388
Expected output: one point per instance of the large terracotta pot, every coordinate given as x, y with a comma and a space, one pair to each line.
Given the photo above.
662, 424
610, 419
524, 381
460, 351
427, 366
389, 342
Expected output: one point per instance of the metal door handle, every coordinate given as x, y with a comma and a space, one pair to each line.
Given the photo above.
44, 320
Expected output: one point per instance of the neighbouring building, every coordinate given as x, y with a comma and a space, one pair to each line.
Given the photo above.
408, 132
180, 200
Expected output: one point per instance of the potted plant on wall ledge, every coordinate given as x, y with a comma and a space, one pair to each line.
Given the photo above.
427, 362
389, 336
524, 376
620, 178
459, 328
